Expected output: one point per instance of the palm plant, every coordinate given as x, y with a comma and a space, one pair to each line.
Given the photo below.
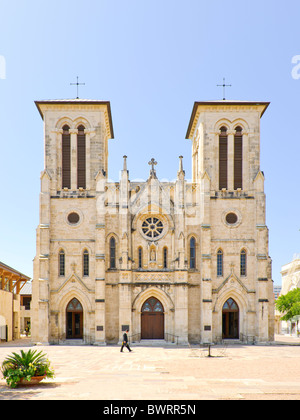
25, 366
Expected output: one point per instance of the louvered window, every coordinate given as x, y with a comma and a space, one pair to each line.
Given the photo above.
66, 158
238, 159
81, 158
223, 159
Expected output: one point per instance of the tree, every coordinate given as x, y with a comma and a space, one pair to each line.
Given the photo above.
289, 304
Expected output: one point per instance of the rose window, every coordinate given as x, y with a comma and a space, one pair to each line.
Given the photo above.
152, 227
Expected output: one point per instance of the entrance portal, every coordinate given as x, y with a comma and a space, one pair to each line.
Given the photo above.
74, 318
152, 320
230, 320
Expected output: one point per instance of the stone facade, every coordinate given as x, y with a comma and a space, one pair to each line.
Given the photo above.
152, 243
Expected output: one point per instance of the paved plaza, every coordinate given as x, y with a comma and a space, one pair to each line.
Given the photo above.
165, 372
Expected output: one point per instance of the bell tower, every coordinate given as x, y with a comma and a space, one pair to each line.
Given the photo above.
234, 236
76, 134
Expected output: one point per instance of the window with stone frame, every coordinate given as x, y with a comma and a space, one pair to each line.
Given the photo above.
165, 257
152, 227
62, 261
192, 253
243, 263
238, 158
220, 263
223, 159
112, 253
86, 263
66, 157
81, 158
140, 257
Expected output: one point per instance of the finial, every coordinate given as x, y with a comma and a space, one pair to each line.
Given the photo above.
181, 172
125, 163
152, 163
180, 164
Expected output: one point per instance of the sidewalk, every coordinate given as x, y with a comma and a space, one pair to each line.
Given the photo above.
287, 339
165, 373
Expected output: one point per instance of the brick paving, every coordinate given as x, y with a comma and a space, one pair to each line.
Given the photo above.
168, 373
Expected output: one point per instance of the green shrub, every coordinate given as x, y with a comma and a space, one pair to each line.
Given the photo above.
24, 366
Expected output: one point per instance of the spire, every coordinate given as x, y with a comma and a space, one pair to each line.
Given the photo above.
125, 163
181, 172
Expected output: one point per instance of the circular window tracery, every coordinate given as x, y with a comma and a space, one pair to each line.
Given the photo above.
152, 227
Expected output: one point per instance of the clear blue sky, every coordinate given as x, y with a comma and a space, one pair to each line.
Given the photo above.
151, 60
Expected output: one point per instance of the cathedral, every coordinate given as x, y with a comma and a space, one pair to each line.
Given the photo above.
184, 261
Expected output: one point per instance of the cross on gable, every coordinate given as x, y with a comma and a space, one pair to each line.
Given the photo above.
152, 163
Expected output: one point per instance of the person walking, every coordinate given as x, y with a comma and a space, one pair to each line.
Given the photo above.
125, 342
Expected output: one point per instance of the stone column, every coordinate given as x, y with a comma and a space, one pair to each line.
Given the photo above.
100, 335
59, 159
88, 158
125, 304
41, 280
181, 307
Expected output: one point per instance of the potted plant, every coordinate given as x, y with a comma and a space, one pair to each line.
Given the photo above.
28, 368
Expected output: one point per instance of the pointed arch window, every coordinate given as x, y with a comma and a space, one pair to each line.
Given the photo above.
140, 256
112, 252
66, 157
223, 159
220, 263
243, 263
238, 158
192, 253
165, 257
86, 263
62, 261
74, 306
81, 158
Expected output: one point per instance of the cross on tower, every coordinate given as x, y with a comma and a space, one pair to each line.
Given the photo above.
152, 163
224, 86
77, 84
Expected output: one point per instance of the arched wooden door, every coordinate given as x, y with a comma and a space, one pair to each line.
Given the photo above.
152, 320
230, 319
74, 316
